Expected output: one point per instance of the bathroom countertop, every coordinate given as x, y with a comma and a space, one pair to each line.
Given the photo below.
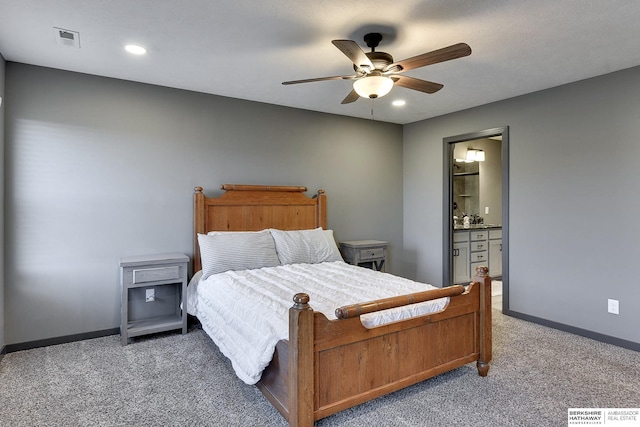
477, 227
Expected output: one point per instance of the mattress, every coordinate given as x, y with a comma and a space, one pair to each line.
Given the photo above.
246, 312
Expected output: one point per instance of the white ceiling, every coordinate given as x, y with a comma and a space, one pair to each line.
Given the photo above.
246, 48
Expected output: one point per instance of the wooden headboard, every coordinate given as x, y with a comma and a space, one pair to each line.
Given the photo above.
254, 208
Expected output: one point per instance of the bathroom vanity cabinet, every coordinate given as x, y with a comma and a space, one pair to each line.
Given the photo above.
474, 247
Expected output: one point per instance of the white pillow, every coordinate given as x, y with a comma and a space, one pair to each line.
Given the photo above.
236, 251
328, 234
305, 246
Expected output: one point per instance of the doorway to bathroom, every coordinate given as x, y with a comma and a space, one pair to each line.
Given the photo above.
476, 208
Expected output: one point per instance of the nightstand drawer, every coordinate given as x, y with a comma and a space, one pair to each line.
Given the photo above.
373, 253
144, 275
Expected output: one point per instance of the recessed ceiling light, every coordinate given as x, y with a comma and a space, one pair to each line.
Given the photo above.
398, 102
135, 49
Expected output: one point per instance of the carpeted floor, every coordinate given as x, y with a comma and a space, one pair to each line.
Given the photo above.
172, 379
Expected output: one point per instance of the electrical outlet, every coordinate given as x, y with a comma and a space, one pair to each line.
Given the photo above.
150, 295
486, 210
613, 306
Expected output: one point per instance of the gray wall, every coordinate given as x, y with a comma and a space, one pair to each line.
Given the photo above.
100, 168
574, 186
2, 109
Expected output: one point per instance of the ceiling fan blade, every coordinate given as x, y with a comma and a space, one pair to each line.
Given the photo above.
352, 97
354, 53
320, 79
417, 84
445, 54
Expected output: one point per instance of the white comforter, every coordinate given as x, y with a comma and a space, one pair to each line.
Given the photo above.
246, 312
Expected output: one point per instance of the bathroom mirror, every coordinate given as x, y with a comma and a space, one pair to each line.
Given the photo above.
477, 183
466, 190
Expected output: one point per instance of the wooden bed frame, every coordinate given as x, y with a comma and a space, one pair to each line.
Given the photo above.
327, 366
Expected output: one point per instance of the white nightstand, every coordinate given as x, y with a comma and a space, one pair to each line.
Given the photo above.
154, 289
365, 253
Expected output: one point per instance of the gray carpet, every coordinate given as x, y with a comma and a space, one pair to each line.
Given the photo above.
172, 379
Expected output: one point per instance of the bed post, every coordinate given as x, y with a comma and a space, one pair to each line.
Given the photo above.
198, 226
482, 277
301, 369
321, 209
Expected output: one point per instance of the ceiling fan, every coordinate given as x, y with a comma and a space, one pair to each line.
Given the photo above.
376, 73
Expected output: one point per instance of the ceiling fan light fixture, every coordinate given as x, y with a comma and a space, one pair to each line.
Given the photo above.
373, 86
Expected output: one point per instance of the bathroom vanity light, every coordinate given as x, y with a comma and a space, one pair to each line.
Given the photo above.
475, 155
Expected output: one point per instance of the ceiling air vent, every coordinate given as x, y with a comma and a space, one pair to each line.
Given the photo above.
67, 37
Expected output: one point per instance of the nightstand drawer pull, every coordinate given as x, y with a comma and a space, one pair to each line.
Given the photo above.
366, 254
153, 274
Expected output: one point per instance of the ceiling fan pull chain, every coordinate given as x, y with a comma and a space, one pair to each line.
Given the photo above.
373, 119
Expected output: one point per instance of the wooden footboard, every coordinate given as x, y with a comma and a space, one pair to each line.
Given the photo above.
327, 366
